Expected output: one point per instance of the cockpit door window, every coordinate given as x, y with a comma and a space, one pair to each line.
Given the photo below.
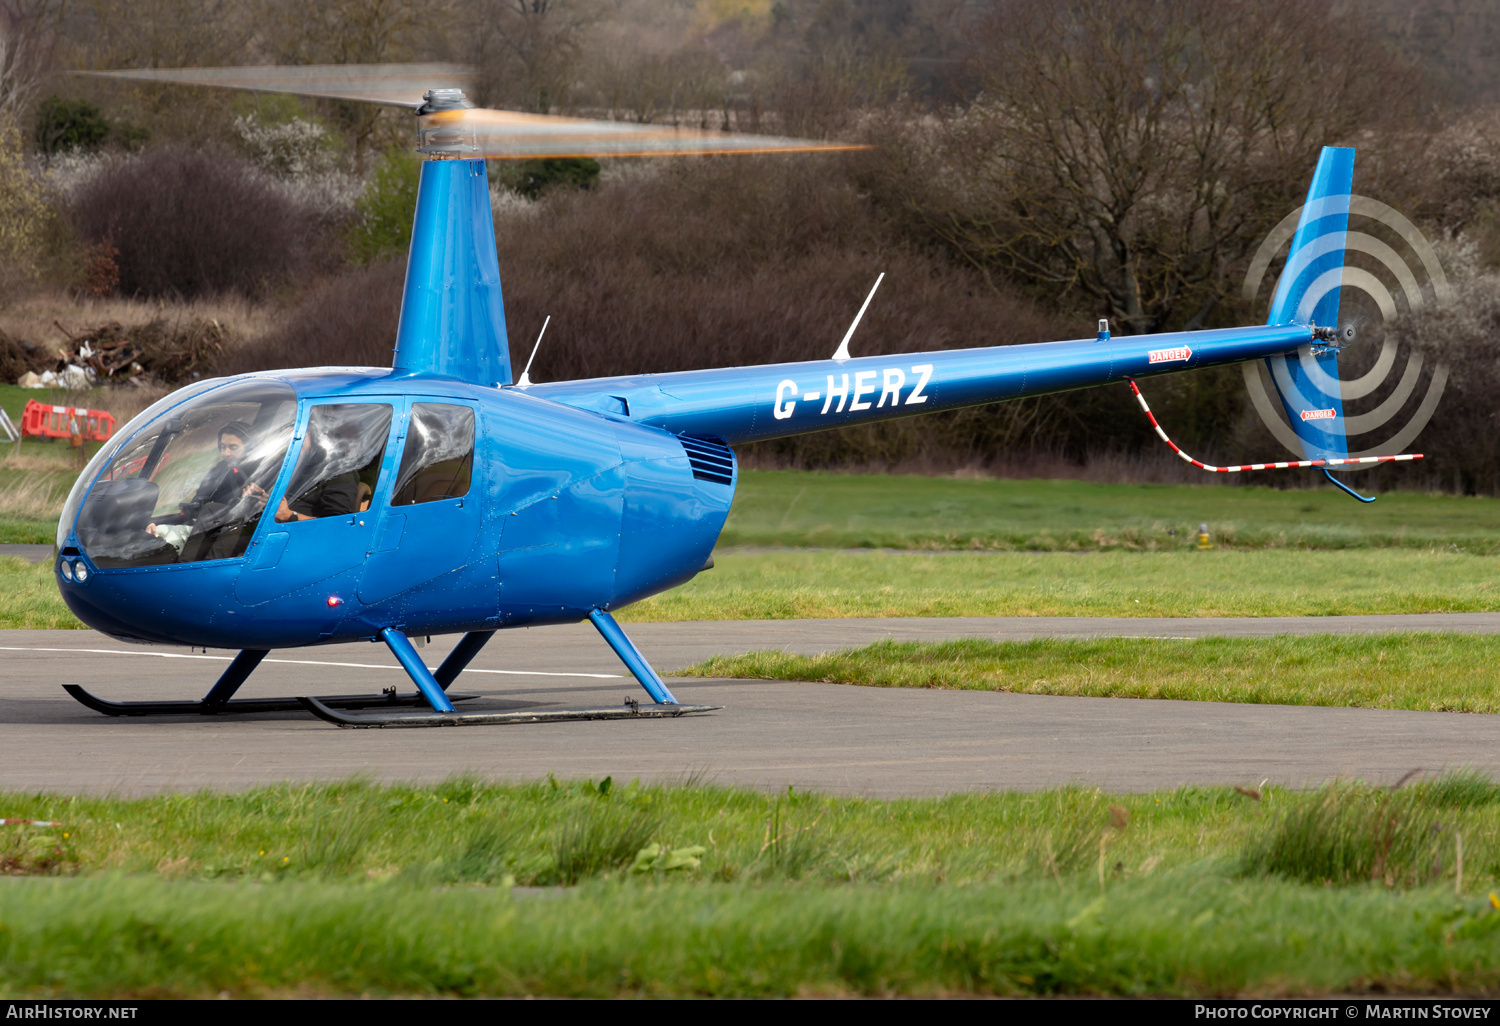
438, 460
339, 465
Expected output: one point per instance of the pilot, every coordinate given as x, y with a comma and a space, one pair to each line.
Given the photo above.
226, 482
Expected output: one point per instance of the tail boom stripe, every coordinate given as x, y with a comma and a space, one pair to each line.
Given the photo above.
1260, 466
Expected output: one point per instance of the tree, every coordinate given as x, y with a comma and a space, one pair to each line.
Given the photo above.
1130, 151
527, 51
23, 210
354, 32
26, 37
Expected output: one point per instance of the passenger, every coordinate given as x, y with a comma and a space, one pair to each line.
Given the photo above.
225, 484
334, 495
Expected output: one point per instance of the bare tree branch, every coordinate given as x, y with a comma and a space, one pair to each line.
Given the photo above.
1132, 150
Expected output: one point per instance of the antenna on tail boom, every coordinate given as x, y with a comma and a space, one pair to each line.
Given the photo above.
842, 353
525, 379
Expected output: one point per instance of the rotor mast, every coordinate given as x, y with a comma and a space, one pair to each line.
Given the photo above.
452, 313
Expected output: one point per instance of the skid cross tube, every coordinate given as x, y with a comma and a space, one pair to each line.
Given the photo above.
631, 657
463, 653
406, 654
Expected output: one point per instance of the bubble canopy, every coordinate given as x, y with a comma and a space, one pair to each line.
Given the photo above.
190, 482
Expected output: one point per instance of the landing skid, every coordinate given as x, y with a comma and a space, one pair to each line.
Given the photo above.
244, 705
629, 711
432, 691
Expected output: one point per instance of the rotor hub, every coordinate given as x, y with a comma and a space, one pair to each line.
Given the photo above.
435, 100
445, 137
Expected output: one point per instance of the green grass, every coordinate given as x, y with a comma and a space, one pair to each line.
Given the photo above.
353, 888
36, 475
1436, 672
1277, 553
800, 583
29, 598
800, 509
13, 398
795, 584
25, 531
1191, 934
797, 508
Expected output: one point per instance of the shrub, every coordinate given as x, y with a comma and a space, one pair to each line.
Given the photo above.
291, 148
348, 320
1462, 442
531, 178
189, 223
64, 125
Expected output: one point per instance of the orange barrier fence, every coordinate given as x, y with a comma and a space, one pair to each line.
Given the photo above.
42, 421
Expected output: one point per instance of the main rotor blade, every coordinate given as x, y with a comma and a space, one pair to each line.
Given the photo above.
397, 85
511, 135
474, 132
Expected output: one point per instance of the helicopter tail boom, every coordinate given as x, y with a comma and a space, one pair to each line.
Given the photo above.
748, 404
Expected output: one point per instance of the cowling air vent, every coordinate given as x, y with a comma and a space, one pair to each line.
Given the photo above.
712, 460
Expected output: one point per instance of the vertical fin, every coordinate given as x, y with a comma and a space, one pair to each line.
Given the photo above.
1308, 292
452, 317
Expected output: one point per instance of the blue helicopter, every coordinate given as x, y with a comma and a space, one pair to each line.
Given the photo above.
303, 507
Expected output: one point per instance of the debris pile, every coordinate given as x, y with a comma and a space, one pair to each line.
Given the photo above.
168, 353
18, 357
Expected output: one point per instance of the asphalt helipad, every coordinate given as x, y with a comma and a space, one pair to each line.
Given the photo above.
770, 734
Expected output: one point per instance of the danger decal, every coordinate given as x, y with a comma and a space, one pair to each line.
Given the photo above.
1169, 355
1317, 414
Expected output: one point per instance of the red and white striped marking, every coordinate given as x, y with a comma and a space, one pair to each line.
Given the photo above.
29, 822
1259, 466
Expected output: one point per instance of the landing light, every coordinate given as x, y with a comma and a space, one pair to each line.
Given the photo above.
66, 569
80, 572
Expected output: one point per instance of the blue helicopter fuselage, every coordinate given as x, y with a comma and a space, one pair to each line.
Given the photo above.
566, 511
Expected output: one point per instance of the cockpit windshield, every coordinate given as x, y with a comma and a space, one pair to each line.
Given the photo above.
192, 484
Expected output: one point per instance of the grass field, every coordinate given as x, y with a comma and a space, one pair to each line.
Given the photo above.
35, 476
782, 584
824, 510
798, 508
1437, 672
1091, 550
589, 888
793, 583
